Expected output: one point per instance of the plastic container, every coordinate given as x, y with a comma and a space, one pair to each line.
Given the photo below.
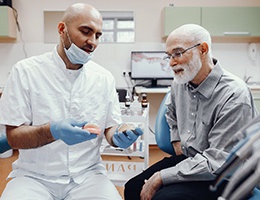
127, 101
136, 107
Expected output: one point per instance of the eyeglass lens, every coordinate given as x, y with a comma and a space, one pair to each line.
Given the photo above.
179, 53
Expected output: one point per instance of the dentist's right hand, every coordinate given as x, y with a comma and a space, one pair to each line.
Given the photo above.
70, 131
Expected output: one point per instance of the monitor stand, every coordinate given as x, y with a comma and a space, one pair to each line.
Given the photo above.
155, 85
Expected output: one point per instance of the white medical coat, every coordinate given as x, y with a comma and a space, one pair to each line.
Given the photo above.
40, 89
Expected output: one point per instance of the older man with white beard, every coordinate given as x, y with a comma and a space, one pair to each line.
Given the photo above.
206, 107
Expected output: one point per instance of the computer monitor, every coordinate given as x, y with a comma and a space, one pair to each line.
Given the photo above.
149, 65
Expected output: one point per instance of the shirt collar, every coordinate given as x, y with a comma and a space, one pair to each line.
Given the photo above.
207, 87
58, 60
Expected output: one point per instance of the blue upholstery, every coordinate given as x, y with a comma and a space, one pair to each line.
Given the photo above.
255, 195
4, 146
244, 176
162, 130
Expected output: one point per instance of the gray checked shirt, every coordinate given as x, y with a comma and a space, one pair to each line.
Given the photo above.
203, 119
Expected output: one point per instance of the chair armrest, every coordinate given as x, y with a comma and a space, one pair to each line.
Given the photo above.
4, 146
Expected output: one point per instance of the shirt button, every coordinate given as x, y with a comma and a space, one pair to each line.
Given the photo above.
182, 147
192, 114
194, 96
188, 131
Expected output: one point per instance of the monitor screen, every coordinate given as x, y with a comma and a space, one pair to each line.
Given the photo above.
150, 65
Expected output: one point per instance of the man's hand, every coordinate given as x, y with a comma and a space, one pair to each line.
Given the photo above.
151, 186
177, 148
70, 131
124, 138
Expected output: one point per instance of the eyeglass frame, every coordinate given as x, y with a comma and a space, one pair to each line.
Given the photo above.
178, 54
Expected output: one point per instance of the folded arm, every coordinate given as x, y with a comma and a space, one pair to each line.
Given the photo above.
68, 130
203, 162
27, 137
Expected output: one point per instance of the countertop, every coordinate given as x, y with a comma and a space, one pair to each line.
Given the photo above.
254, 85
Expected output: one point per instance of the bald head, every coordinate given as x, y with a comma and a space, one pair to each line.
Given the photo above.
80, 9
191, 33
80, 26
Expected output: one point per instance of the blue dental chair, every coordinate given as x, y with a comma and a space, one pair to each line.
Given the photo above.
162, 137
243, 166
162, 134
4, 146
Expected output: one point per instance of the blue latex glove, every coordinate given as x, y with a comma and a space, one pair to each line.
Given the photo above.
70, 131
126, 138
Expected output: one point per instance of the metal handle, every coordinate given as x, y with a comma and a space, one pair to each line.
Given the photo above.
229, 33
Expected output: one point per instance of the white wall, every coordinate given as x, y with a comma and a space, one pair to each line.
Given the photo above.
116, 57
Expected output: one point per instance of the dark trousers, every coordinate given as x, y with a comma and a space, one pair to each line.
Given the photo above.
193, 190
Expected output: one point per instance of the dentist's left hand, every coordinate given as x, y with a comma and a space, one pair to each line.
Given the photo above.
126, 138
70, 131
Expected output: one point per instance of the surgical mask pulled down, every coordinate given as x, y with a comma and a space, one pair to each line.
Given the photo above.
75, 54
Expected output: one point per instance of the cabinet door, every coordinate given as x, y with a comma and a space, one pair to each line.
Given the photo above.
7, 23
231, 21
177, 16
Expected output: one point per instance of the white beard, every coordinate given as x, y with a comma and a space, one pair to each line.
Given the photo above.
190, 70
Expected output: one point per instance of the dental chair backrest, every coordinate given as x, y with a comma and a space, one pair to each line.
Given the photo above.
4, 146
242, 166
162, 129
244, 182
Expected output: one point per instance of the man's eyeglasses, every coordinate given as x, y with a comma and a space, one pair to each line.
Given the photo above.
178, 54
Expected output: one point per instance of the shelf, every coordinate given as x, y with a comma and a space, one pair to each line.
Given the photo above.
140, 90
119, 172
136, 149
121, 152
